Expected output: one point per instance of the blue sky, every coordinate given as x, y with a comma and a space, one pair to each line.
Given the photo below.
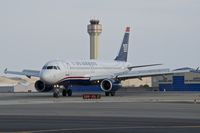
162, 31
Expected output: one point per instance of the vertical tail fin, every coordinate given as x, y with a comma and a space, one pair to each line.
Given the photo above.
123, 52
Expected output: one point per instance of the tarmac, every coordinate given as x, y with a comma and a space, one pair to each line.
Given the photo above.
127, 112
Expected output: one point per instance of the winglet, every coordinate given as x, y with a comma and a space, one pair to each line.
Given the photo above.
5, 71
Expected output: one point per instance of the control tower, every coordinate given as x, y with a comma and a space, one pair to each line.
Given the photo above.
94, 30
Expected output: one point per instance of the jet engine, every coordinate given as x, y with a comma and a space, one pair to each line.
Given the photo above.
42, 87
108, 85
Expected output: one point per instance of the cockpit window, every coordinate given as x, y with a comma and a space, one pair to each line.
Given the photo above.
44, 67
51, 67
58, 67
54, 67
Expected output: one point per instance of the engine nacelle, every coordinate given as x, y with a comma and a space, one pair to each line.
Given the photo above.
108, 85
42, 87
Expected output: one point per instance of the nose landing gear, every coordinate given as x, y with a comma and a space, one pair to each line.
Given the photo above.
56, 92
58, 89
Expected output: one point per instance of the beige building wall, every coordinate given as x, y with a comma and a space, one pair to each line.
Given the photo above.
137, 82
8, 81
19, 84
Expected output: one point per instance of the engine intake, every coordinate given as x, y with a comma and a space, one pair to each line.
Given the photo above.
108, 85
42, 87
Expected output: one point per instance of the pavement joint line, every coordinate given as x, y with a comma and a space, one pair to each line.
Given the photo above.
92, 101
106, 128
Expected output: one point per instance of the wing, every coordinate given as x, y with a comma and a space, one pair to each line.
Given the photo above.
101, 77
131, 67
25, 72
148, 73
138, 74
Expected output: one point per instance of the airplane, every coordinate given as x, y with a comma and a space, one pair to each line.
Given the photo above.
57, 75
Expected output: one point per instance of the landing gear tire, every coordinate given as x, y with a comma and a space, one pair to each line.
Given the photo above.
112, 93
64, 92
56, 94
69, 92
107, 93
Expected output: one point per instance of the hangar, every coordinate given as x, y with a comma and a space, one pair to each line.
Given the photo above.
189, 81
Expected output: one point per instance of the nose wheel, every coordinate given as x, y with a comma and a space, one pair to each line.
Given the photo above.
56, 92
58, 89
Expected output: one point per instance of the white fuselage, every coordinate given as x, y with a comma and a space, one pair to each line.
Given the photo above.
57, 71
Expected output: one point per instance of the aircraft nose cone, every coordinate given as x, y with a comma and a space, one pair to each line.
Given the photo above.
46, 77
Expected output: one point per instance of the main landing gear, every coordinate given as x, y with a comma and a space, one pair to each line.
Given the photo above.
112, 93
67, 92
